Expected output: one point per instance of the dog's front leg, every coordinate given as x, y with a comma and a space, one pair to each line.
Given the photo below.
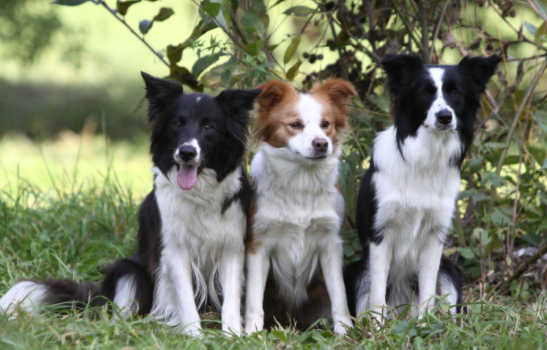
429, 260
231, 276
331, 260
380, 260
258, 266
178, 265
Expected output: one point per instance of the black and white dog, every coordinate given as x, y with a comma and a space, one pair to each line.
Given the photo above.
408, 195
192, 225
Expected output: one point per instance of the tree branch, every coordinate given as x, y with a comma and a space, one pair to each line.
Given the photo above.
113, 13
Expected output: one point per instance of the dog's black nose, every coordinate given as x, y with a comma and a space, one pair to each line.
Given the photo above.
320, 144
187, 152
444, 117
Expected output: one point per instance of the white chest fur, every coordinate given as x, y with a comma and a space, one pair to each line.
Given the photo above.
192, 224
416, 195
299, 212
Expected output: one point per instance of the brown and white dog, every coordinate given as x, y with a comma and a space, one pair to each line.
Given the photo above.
294, 248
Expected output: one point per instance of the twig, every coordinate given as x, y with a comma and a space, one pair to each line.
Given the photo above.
517, 116
407, 25
436, 34
524, 266
425, 32
509, 240
113, 13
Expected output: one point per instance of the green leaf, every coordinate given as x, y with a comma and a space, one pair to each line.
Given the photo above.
300, 11
291, 49
531, 28
538, 152
211, 8
466, 252
123, 6
145, 25
540, 32
252, 23
475, 164
293, 71
541, 118
165, 13
273, 47
184, 76
255, 47
499, 218
276, 3
205, 62
70, 2
493, 178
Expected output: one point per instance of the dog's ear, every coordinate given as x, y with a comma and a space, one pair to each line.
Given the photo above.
338, 92
480, 69
159, 92
399, 69
236, 104
273, 92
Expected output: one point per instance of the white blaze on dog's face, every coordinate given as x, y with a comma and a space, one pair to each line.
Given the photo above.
309, 125
440, 115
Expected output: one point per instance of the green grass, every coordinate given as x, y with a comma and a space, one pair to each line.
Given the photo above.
88, 220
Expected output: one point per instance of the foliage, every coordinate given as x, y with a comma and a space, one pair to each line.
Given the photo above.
503, 198
29, 27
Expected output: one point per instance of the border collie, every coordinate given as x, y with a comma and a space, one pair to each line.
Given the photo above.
294, 248
408, 195
192, 225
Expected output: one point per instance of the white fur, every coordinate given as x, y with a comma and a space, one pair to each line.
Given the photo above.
416, 201
439, 103
125, 296
200, 243
301, 144
297, 222
196, 159
27, 296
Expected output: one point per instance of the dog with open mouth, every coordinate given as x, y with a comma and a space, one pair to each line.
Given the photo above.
192, 225
294, 248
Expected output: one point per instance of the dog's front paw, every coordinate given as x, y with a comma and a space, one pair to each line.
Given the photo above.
254, 322
379, 315
341, 323
193, 330
231, 325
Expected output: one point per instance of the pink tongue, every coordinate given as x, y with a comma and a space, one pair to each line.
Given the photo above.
187, 176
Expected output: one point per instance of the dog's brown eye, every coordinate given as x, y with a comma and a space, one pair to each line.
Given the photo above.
178, 124
325, 124
425, 94
296, 125
455, 93
208, 127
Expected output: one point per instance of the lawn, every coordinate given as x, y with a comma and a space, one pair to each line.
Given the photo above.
68, 209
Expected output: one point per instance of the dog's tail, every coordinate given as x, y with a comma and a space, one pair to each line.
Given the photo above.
32, 295
126, 284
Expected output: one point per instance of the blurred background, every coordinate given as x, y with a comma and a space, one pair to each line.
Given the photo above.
72, 114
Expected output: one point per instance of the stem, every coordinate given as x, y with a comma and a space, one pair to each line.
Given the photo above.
517, 116
436, 34
524, 266
425, 32
407, 25
113, 13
